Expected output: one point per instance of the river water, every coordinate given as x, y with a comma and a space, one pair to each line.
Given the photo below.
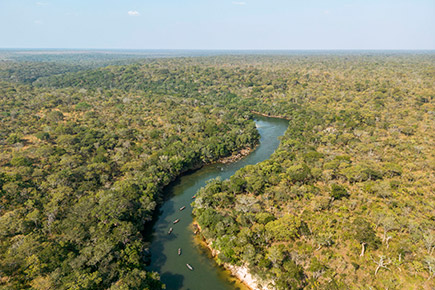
207, 275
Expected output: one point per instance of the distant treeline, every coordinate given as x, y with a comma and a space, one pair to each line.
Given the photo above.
346, 200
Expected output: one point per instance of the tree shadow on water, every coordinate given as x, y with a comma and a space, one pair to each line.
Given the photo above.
150, 227
156, 254
172, 281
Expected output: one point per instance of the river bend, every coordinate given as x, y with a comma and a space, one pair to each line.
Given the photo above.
164, 248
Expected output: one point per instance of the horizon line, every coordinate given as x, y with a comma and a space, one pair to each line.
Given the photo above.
222, 49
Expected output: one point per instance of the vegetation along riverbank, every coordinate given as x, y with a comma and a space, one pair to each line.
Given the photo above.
346, 200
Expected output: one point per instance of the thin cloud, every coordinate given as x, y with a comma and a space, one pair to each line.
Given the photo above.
41, 3
133, 13
239, 3
38, 22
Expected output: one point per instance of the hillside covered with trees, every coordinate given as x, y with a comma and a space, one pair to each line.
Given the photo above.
347, 201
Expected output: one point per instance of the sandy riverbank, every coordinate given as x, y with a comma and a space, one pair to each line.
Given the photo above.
239, 155
240, 272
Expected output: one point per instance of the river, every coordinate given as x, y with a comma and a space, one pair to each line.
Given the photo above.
164, 248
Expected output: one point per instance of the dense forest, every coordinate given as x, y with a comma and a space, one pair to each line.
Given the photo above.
82, 171
347, 201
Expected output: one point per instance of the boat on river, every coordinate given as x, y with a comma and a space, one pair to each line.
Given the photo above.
181, 208
170, 231
190, 267
164, 245
179, 251
176, 221
193, 197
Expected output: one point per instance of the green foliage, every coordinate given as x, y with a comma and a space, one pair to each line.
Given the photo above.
300, 172
363, 232
20, 160
264, 217
355, 164
44, 136
82, 106
348, 171
14, 138
55, 116
283, 229
338, 191
77, 197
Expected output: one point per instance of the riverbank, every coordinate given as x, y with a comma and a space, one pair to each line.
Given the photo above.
270, 116
242, 273
163, 249
237, 155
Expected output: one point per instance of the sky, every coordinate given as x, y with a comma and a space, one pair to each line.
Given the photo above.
219, 24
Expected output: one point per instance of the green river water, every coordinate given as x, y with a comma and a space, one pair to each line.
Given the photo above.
207, 275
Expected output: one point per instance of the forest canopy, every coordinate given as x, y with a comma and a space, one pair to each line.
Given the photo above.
346, 200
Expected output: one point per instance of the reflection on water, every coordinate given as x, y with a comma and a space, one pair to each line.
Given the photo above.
164, 247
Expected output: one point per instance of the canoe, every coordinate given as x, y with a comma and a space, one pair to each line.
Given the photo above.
190, 267
179, 251
170, 231
176, 221
181, 208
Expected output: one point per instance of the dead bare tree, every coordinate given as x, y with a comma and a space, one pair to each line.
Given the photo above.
387, 240
430, 264
362, 249
429, 242
389, 224
382, 263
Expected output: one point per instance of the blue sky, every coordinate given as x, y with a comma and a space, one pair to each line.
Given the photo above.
220, 24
